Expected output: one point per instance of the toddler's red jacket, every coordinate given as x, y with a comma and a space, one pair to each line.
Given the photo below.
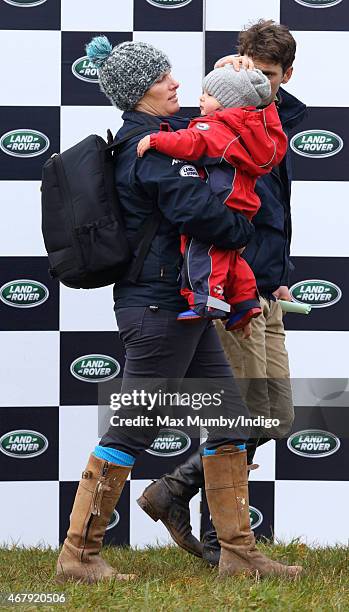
249, 139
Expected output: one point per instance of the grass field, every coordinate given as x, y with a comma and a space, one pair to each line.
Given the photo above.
170, 579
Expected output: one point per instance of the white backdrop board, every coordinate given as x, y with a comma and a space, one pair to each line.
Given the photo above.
41, 40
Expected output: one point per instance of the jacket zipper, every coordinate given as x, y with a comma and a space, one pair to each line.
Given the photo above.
186, 264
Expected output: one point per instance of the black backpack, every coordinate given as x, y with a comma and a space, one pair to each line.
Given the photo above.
82, 224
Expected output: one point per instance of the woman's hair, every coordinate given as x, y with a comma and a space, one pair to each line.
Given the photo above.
269, 42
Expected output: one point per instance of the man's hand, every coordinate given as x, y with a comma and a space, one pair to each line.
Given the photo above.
237, 61
282, 293
246, 331
143, 146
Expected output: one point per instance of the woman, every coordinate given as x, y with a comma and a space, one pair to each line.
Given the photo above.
136, 78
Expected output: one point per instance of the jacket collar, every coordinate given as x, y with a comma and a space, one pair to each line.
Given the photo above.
134, 119
291, 110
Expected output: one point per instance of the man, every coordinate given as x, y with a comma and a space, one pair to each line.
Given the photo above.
259, 361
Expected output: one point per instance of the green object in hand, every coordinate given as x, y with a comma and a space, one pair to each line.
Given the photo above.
294, 307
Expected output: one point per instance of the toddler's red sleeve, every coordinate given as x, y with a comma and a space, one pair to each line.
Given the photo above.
187, 144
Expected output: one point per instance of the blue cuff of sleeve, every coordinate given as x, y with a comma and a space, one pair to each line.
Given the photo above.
209, 451
114, 456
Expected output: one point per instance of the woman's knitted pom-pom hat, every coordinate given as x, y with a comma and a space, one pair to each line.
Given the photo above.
126, 71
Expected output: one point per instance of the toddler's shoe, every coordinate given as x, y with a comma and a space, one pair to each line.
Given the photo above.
238, 320
188, 315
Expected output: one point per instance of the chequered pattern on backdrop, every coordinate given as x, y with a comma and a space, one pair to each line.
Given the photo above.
49, 100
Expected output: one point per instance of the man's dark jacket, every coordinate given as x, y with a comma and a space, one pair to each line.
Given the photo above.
268, 251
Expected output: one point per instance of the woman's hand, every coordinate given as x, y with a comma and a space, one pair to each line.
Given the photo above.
143, 146
237, 61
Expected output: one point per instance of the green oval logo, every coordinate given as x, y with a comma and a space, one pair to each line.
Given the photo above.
114, 519
23, 293
316, 143
318, 3
317, 293
169, 4
25, 2
23, 443
24, 143
313, 443
95, 368
170, 442
84, 69
256, 517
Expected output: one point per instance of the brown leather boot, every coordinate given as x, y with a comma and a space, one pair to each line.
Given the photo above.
173, 511
98, 493
227, 496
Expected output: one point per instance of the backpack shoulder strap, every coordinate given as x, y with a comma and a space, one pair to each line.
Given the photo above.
144, 237
117, 142
136, 132
146, 233
150, 125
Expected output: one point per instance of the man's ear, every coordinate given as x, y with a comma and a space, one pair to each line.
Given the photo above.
287, 75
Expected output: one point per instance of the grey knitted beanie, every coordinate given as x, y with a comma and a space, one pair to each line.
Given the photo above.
126, 72
233, 89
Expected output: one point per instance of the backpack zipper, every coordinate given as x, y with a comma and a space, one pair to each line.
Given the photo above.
69, 210
67, 199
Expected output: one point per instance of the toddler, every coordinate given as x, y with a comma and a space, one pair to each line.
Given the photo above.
236, 143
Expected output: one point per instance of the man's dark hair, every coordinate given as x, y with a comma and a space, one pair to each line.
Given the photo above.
268, 41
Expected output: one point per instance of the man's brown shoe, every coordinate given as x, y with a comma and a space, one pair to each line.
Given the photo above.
160, 504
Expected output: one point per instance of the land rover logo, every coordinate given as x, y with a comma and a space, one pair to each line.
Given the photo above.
318, 3
115, 517
189, 171
169, 4
23, 293
23, 443
256, 517
84, 69
313, 443
316, 143
202, 126
170, 442
25, 2
95, 368
24, 143
317, 293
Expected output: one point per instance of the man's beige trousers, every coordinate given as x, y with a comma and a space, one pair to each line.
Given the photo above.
260, 364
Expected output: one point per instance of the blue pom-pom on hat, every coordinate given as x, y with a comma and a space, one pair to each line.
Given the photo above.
127, 71
98, 50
